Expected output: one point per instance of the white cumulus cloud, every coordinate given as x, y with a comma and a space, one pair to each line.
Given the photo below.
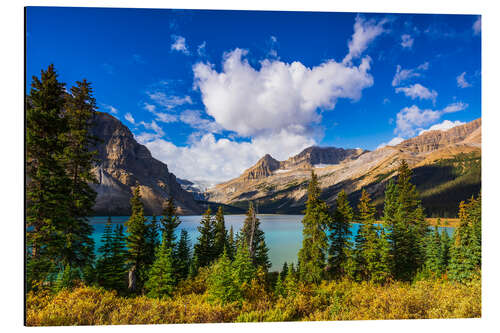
418, 91
278, 95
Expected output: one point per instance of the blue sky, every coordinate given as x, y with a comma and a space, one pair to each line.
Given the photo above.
210, 92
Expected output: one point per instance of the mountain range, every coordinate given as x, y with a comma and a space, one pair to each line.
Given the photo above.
446, 167
281, 186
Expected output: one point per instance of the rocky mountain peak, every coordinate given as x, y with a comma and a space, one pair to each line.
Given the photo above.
263, 168
123, 163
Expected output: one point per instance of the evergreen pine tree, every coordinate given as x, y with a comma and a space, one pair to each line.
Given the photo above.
118, 259
434, 256
409, 228
465, 258
152, 240
169, 222
279, 288
222, 285
340, 233
390, 205
367, 255
80, 110
161, 282
231, 249
221, 241
243, 269
254, 239
48, 203
183, 256
66, 278
284, 271
204, 248
104, 271
382, 270
312, 255
291, 282
445, 249
137, 243
193, 267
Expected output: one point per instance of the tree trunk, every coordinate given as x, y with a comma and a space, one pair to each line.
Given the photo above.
131, 279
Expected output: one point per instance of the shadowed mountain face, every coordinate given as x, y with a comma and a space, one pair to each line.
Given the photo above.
122, 164
435, 156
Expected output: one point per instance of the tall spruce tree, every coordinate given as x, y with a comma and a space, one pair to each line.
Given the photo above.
153, 241
137, 243
340, 233
80, 110
48, 185
284, 271
409, 228
445, 249
243, 269
433, 255
465, 258
169, 222
370, 252
161, 281
119, 259
222, 285
104, 270
221, 241
312, 255
183, 256
279, 288
204, 251
231, 249
253, 236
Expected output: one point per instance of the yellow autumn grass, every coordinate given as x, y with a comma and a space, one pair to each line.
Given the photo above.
336, 300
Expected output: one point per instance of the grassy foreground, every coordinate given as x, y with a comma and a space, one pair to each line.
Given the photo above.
335, 300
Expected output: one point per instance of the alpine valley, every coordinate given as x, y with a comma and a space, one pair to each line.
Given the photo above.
446, 170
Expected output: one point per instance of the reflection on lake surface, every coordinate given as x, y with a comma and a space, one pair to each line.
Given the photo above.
283, 232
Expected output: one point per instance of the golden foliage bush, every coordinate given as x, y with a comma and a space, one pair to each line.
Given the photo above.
334, 300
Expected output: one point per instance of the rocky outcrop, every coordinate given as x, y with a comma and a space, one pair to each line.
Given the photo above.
263, 168
314, 155
123, 163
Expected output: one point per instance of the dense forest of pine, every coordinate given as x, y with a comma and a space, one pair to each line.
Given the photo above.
148, 272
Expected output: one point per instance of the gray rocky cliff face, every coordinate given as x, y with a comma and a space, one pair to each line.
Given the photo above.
320, 155
122, 164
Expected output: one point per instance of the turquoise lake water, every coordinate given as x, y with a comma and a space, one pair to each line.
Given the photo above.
283, 233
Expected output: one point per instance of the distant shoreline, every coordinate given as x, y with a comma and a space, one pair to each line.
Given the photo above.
445, 222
